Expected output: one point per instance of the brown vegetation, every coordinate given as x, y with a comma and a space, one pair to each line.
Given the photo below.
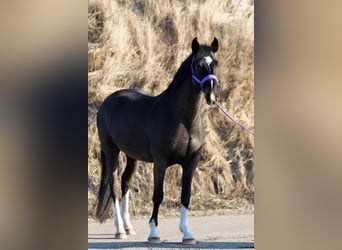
141, 44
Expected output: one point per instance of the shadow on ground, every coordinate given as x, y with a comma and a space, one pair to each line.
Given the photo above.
166, 244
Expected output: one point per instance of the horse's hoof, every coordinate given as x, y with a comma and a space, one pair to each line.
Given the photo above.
130, 231
154, 240
120, 236
189, 241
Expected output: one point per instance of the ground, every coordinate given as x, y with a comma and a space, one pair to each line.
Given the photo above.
211, 232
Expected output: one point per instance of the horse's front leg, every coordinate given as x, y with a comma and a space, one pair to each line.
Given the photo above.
188, 172
158, 194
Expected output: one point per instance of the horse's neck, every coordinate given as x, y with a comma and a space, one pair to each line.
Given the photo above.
185, 97
188, 100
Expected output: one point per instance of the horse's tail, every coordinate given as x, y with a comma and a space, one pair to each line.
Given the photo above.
104, 198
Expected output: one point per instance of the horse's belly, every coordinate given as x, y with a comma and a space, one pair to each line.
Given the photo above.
139, 155
132, 143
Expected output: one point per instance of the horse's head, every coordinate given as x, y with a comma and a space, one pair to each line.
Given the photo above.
204, 69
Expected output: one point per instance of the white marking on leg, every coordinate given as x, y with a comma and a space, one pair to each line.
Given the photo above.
208, 60
184, 225
117, 218
153, 230
125, 212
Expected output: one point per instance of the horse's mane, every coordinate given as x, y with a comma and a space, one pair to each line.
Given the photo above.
182, 72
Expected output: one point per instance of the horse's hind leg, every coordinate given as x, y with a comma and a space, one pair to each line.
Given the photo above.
112, 154
126, 183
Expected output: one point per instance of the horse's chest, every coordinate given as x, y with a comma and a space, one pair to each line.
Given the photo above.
185, 142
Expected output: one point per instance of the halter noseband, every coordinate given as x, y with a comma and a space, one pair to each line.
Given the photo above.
206, 78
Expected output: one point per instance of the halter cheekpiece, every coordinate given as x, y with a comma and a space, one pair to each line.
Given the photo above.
206, 78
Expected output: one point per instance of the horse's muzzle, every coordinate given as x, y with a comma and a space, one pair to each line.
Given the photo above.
211, 98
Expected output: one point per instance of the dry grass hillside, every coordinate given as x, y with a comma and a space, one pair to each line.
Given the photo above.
141, 44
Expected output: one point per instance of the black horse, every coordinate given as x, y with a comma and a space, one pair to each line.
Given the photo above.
165, 129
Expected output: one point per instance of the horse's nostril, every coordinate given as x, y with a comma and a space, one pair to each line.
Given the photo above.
211, 101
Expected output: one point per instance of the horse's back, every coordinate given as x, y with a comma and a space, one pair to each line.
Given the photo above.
124, 99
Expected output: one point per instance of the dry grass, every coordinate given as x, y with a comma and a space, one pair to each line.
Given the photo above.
141, 44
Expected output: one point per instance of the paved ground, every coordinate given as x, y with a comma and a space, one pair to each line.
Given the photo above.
211, 232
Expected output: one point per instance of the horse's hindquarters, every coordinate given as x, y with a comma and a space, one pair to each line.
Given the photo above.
127, 115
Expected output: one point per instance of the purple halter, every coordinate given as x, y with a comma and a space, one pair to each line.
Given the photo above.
206, 78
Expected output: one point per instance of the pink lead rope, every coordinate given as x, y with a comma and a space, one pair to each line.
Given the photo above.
213, 77
235, 121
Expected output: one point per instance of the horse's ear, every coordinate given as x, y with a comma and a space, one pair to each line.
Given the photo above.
195, 45
214, 45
